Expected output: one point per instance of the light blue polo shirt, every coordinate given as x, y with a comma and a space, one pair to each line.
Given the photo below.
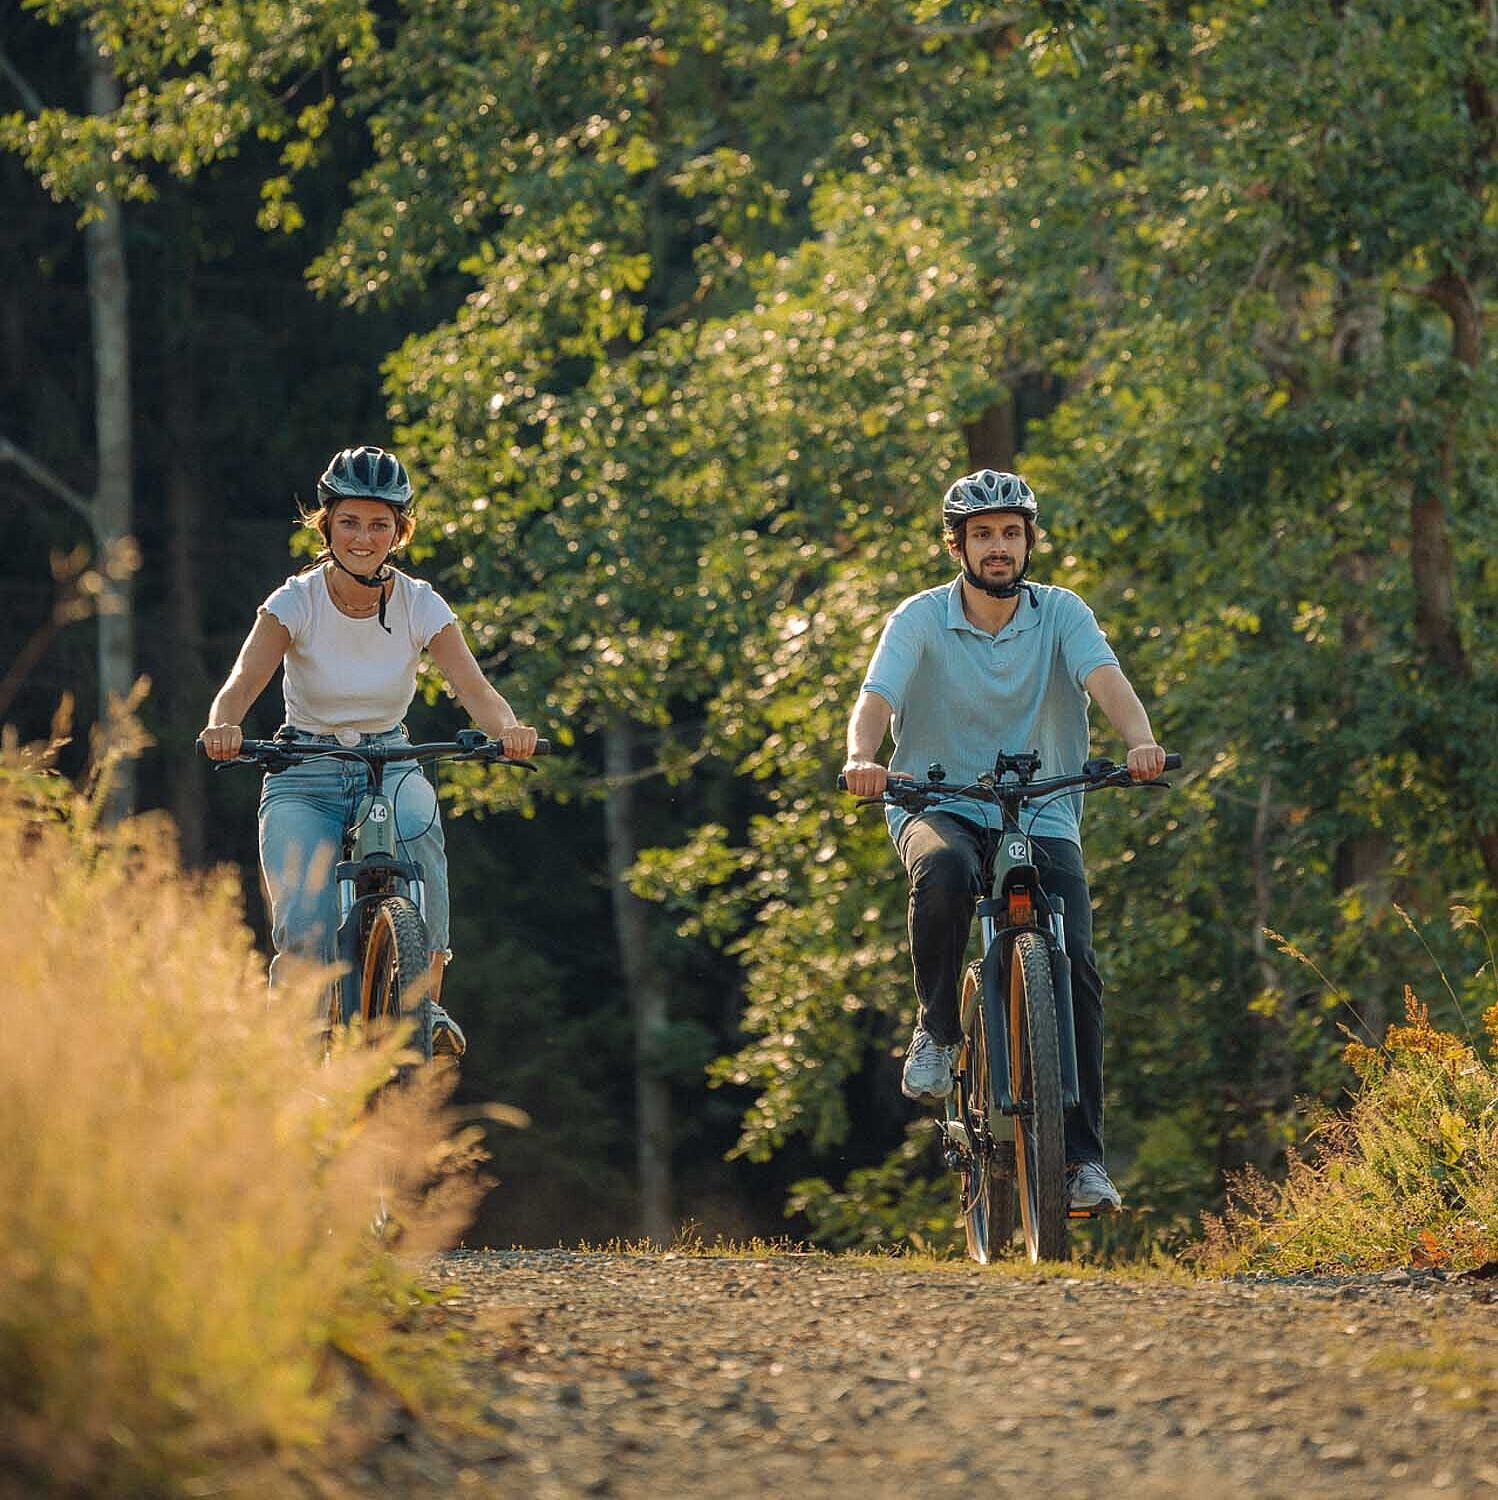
961, 695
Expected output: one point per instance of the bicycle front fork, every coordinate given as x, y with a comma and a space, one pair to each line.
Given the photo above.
1066, 1025
996, 1008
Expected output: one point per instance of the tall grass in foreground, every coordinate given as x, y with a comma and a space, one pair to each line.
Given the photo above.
187, 1272
1407, 1176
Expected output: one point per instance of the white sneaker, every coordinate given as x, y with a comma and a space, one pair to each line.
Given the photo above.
928, 1067
1088, 1187
447, 1036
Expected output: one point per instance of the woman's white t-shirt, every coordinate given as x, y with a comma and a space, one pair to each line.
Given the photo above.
343, 673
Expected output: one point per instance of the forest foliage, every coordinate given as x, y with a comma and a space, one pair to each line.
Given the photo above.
700, 306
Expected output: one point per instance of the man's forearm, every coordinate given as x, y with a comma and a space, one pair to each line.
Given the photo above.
867, 725
1115, 695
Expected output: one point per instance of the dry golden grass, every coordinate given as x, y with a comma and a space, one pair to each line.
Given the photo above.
1407, 1176
187, 1270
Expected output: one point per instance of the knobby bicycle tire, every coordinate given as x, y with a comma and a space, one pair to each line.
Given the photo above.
1035, 1074
987, 1202
393, 979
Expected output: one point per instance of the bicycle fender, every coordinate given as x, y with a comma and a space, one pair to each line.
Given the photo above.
1066, 1026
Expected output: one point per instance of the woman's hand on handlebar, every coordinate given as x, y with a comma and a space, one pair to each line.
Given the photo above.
865, 778
519, 741
221, 741
1146, 762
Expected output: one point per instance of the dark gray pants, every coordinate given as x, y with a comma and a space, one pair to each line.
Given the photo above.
950, 864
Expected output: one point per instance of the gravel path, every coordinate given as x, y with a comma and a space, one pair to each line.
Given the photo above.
660, 1375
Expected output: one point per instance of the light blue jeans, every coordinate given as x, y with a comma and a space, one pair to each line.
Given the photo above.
303, 813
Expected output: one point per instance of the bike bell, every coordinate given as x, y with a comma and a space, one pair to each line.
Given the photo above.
348, 738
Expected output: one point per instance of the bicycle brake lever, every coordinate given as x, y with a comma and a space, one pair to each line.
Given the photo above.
269, 763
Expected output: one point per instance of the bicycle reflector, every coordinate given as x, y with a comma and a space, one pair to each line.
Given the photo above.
1021, 908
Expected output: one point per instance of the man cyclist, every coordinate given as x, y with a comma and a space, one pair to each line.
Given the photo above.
988, 662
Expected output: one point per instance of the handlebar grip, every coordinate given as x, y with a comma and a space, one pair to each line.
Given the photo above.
842, 782
543, 747
1172, 762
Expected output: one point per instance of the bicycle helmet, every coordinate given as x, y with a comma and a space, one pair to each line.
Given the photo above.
988, 490
365, 474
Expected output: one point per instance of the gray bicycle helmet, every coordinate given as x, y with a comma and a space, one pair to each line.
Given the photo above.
988, 490
365, 474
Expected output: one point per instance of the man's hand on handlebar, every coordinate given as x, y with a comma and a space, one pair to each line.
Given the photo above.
221, 741
865, 778
1146, 762
519, 741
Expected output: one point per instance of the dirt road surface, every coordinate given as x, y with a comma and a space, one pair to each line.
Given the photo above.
658, 1375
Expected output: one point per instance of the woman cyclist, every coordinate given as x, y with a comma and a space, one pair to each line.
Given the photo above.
349, 630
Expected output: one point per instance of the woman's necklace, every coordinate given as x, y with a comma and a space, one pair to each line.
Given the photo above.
357, 610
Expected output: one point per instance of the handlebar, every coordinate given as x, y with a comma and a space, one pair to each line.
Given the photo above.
470, 744
906, 792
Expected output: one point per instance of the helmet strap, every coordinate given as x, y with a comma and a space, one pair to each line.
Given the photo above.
369, 580
1008, 590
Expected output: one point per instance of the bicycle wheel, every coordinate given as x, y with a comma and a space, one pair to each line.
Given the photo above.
393, 979
1035, 1078
987, 1201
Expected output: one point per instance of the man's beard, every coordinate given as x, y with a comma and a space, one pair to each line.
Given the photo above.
992, 587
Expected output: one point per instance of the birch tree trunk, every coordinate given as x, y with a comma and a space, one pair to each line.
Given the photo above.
109, 310
645, 985
188, 692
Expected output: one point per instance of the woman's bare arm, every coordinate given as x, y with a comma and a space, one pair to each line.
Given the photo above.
450, 651
263, 650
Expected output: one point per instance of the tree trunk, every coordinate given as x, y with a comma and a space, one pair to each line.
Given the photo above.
1363, 858
645, 986
109, 309
1431, 562
190, 689
1263, 887
992, 438
1436, 625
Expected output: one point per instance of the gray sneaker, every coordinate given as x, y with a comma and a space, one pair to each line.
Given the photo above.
447, 1036
1088, 1188
928, 1067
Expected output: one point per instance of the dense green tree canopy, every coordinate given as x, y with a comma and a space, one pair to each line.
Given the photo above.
726, 293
